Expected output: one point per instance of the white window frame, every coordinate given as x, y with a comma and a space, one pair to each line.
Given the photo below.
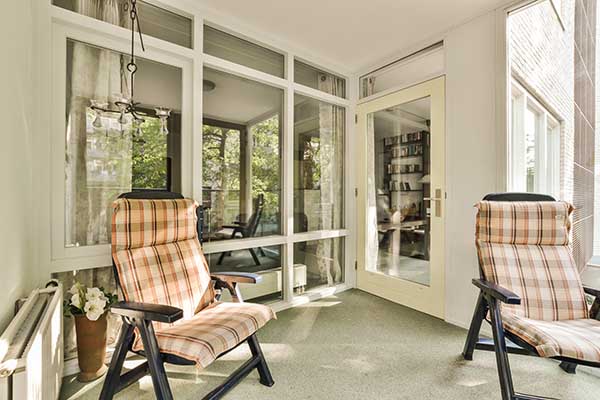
547, 144
54, 25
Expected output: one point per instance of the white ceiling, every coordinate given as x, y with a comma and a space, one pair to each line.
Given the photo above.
352, 33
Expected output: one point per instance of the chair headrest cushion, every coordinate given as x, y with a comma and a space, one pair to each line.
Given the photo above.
143, 222
524, 222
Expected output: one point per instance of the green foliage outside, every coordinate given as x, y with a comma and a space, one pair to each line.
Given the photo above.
149, 161
222, 170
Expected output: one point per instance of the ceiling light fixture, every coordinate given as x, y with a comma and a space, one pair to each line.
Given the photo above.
208, 86
125, 106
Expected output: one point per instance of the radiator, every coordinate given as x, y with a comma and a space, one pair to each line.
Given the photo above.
31, 348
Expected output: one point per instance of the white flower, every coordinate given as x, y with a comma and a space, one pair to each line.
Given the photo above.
76, 300
94, 309
76, 288
94, 294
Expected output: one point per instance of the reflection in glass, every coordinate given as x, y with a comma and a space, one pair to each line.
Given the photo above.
399, 190
104, 158
157, 22
530, 130
319, 130
265, 261
315, 78
241, 158
318, 263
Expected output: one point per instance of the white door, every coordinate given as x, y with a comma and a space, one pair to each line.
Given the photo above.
401, 197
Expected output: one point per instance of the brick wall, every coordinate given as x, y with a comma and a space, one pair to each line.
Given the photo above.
556, 63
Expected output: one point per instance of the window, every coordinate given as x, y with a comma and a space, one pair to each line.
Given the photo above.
103, 161
156, 22
417, 67
231, 48
241, 161
319, 263
535, 146
319, 130
315, 78
265, 261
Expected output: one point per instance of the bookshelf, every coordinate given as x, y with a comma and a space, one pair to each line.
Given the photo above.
406, 160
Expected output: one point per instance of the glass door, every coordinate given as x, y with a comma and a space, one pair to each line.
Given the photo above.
401, 197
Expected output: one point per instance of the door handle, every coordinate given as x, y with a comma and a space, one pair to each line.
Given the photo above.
438, 202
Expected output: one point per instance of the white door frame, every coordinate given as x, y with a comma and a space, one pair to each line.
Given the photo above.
428, 299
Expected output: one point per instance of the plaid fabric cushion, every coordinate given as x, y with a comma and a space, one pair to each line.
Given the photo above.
545, 277
523, 246
578, 339
212, 332
162, 267
527, 222
143, 223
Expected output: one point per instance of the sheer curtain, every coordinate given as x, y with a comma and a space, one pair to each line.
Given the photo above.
371, 229
98, 162
331, 161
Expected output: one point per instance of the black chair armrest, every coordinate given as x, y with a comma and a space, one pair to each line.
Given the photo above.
591, 291
237, 277
147, 311
236, 226
497, 292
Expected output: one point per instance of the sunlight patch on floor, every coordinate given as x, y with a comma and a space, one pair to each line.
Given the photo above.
272, 351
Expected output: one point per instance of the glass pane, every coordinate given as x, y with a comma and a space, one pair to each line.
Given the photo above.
104, 158
318, 263
414, 68
315, 78
231, 48
530, 128
156, 22
399, 189
241, 163
265, 261
319, 130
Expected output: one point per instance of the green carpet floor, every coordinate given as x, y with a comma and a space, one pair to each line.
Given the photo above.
358, 346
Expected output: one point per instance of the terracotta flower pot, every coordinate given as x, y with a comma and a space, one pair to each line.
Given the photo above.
91, 347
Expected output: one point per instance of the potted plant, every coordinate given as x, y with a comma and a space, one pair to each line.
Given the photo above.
89, 307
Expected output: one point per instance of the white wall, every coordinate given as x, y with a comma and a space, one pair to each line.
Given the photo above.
471, 169
16, 202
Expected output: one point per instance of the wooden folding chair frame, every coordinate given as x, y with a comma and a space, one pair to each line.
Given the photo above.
141, 316
504, 342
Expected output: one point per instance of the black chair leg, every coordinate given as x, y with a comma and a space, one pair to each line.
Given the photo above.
162, 389
112, 381
262, 367
569, 368
221, 258
506, 384
254, 256
473, 336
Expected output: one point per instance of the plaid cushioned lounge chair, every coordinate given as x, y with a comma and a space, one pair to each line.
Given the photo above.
172, 311
530, 289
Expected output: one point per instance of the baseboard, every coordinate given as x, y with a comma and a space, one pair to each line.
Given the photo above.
486, 330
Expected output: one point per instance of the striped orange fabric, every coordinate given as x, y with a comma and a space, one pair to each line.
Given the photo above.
545, 277
159, 260
523, 246
577, 338
527, 222
142, 223
162, 267
212, 332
